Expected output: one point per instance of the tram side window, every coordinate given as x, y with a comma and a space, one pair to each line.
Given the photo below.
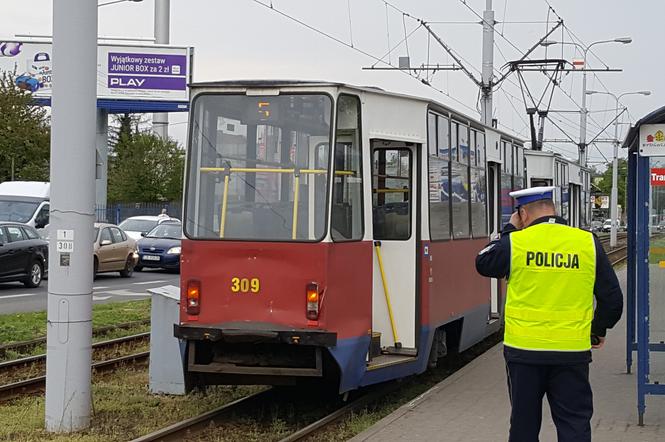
347, 207
459, 174
439, 182
391, 193
480, 149
431, 133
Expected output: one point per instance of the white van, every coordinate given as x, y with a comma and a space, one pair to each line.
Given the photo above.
25, 202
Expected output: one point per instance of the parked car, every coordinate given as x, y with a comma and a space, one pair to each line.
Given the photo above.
114, 250
23, 254
160, 248
137, 225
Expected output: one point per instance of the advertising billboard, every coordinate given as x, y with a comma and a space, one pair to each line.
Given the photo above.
124, 72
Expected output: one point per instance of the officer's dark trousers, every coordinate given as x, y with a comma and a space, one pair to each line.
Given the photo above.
568, 393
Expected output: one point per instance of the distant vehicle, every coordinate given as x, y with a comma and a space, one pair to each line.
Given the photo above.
23, 254
596, 226
661, 226
160, 248
137, 225
607, 225
114, 251
25, 202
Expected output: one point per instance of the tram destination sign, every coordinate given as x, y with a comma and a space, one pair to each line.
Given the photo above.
124, 72
652, 140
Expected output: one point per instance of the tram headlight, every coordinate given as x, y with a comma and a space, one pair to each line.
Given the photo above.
312, 296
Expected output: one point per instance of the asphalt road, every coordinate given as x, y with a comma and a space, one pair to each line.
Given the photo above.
108, 287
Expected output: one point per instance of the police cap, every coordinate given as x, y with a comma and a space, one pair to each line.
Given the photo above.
526, 196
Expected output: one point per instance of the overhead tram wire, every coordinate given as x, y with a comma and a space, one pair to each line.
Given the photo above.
365, 53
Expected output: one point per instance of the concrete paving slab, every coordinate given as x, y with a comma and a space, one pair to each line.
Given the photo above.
472, 405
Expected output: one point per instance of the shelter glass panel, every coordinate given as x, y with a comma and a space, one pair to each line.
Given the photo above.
439, 198
391, 191
656, 258
459, 179
347, 193
258, 167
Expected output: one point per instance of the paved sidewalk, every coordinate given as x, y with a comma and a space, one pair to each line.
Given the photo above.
472, 405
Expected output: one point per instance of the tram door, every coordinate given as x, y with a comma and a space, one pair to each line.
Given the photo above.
494, 208
394, 199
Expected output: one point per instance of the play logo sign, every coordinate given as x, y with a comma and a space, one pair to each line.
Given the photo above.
652, 140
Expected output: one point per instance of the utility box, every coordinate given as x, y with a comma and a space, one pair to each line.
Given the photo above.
167, 375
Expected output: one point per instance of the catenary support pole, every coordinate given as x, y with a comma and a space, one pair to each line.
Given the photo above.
69, 327
102, 163
488, 65
583, 120
614, 195
160, 120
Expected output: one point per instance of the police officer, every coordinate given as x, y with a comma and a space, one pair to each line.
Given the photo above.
553, 271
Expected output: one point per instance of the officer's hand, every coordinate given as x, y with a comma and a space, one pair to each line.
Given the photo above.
601, 342
515, 220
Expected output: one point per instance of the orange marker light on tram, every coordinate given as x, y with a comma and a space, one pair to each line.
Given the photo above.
312, 296
193, 297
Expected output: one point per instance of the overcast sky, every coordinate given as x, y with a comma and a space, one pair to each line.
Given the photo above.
237, 39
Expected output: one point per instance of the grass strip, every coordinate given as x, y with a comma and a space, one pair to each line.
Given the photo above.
16, 327
123, 409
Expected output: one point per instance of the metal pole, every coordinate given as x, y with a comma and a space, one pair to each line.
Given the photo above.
488, 64
102, 161
69, 317
615, 178
160, 120
583, 118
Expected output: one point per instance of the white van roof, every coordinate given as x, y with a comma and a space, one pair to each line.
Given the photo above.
33, 189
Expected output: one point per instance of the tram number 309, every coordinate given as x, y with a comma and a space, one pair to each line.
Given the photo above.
245, 285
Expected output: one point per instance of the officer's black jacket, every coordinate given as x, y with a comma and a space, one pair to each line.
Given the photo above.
494, 261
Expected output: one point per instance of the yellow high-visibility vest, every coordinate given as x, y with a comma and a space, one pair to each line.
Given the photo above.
549, 306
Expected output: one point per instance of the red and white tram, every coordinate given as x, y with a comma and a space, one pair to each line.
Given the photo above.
332, 231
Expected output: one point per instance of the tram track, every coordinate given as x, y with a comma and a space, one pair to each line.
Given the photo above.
36, 384
24, 347
305, 412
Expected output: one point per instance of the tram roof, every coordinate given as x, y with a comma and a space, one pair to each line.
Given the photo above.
371, 89
633, 136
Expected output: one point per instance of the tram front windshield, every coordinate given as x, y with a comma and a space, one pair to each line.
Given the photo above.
258, 167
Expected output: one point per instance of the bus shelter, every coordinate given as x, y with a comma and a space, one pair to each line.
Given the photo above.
645, 297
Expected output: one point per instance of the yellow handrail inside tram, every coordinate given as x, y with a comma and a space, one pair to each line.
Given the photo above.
294, 226
296, 192
377, 246
225, 199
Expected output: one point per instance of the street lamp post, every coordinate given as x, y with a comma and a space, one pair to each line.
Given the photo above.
160, 120
583, 111
614, 196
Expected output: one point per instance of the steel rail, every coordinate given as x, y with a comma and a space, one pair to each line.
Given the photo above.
24, 346
197, 424
13, 364
34, 385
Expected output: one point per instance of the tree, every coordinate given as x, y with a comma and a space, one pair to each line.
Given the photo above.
143, 167
25, 134
605, 184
